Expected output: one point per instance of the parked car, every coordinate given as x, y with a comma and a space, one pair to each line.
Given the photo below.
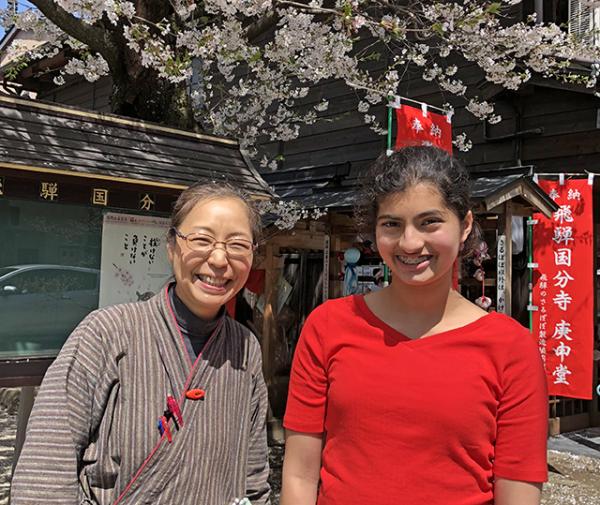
41, 304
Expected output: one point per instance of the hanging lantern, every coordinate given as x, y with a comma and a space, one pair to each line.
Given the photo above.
351, 257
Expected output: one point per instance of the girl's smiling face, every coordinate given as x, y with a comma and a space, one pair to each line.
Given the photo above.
205, 282
418, 236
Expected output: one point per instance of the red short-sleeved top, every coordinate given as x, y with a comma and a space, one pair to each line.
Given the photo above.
425, 422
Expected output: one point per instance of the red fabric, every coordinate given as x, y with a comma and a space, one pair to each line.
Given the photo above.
415, 129
564, 288
414, 422
256, 281
230, 307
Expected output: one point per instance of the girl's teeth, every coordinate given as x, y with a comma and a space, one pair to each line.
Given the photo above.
413, 261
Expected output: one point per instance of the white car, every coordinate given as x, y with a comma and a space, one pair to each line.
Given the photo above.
41, 304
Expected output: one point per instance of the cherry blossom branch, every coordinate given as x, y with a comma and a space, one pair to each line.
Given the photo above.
97, 39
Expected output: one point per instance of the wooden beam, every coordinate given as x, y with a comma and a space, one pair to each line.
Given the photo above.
338, 219
269, 326
299, 240
498, 199
88, 175
335, 287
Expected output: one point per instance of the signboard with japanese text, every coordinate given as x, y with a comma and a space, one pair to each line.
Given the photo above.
134, 264
416, 127
563, 290
501, 275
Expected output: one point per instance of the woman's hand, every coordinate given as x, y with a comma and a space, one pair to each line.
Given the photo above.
516, 492
301, 468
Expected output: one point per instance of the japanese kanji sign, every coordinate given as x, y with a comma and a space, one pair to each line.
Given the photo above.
100, 196
563, 290
49, 191
416, 127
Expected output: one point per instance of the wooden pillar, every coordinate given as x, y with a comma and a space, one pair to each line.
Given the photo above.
335, 289
269, 324
594, 407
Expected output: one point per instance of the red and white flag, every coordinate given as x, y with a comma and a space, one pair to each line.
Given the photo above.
417, 126
563, 289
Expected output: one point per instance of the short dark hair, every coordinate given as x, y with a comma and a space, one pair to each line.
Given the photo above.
212, 190
408, 167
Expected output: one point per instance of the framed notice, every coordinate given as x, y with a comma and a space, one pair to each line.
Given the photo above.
134, 263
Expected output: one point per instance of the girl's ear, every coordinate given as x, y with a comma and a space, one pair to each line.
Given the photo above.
467, 226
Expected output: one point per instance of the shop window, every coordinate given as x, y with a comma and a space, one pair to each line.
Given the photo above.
554, 11
49, 274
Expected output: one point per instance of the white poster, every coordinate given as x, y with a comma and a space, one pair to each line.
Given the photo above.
134, 264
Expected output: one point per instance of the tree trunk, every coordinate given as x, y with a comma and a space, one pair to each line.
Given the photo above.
137, 91
147, 97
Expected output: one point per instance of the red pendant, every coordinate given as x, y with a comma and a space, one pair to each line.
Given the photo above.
195, 394
165, 425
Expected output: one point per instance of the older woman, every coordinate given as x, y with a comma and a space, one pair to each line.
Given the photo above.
161, 401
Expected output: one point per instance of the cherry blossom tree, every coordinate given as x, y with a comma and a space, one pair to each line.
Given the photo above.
241, 67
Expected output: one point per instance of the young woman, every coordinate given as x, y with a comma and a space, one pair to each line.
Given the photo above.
160, 401
413, 395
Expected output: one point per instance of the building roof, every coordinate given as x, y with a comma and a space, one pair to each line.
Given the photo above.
334, 187
39, 136
491, 192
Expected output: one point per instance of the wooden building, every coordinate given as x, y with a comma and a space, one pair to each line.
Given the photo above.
61, 170
547, 128
318, 248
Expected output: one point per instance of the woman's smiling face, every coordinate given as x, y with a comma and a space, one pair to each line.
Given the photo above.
418, 236
207, 282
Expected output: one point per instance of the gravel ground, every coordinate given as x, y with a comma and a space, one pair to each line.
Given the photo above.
8, 433
275, 460
574, 478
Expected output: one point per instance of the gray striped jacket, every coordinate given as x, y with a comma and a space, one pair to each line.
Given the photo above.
93, 436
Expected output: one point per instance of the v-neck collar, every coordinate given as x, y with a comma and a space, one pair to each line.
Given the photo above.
362, 308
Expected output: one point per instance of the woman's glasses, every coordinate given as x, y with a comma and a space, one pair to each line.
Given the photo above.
235, 248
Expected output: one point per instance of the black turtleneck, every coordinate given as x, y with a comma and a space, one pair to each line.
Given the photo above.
195, 330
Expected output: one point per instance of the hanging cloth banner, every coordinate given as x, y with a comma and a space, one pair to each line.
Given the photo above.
563, 288
418, 126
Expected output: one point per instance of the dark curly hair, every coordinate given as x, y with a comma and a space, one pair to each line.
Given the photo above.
406, 168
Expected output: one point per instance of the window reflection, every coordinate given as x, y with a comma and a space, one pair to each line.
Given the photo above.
49, 273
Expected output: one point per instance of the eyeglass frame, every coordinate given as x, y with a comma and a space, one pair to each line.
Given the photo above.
177, 233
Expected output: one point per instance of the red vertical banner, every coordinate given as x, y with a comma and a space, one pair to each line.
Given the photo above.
563, 290
420, 126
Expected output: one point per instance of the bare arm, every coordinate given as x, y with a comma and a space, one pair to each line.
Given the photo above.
301, 468
515, 492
